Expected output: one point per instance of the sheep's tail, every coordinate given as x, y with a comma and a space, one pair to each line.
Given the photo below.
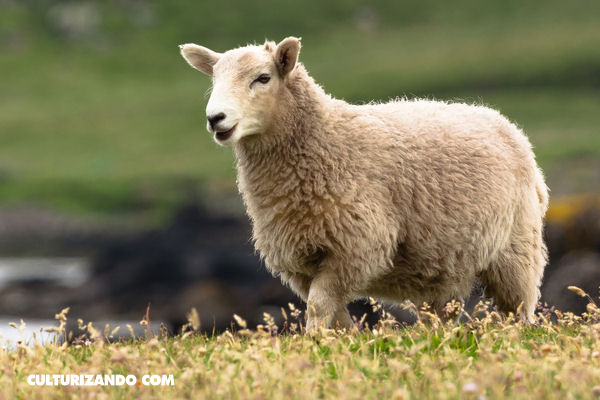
542, 190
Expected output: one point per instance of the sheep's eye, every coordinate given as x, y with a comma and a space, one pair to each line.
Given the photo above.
263, 78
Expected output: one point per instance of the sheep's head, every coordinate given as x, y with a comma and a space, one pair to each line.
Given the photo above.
247, 83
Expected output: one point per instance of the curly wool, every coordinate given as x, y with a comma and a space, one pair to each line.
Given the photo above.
411, 199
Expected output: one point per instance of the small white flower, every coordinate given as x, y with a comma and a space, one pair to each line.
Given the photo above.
470, 387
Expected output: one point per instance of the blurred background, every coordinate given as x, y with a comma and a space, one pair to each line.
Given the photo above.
113, 196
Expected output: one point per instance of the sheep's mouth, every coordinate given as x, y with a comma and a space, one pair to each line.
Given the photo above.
224, 135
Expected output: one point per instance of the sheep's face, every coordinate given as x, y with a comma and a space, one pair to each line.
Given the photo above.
247, 83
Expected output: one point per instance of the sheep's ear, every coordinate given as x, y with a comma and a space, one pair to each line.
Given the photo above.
286, 54
199, 57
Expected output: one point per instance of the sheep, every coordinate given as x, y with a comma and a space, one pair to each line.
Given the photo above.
406, 200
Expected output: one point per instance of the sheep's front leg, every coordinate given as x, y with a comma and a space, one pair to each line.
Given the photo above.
327, 302
342, 319
301, 284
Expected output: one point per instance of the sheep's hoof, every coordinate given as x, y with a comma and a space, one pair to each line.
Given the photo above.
314, 325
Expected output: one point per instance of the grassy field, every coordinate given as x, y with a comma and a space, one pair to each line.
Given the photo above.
110, 119
486, 357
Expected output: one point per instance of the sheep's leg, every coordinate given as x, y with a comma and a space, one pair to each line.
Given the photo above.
342, 319
513, 280
300, 284
326, 301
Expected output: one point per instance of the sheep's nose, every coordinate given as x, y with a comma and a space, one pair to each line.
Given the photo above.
215, 119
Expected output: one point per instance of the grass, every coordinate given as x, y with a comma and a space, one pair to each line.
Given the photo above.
488, 356
111, 121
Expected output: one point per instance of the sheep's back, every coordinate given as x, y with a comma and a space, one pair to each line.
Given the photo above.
458, 173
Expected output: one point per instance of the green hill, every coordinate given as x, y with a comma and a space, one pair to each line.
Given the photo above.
99, 114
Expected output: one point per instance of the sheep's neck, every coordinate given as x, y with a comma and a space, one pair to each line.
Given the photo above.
293, 151
299, 128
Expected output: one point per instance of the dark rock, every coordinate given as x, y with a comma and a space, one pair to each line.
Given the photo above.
581, 269
207, 261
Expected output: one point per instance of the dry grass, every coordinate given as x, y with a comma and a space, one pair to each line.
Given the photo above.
487, 356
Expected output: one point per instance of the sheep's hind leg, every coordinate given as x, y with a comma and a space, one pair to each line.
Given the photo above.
515, 277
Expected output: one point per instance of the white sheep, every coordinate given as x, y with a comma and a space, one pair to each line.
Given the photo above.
411, 199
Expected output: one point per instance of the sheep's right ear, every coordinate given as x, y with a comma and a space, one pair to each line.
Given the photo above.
199, 57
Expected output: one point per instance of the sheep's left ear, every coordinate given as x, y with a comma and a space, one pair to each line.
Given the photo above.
286, 54
199, 57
